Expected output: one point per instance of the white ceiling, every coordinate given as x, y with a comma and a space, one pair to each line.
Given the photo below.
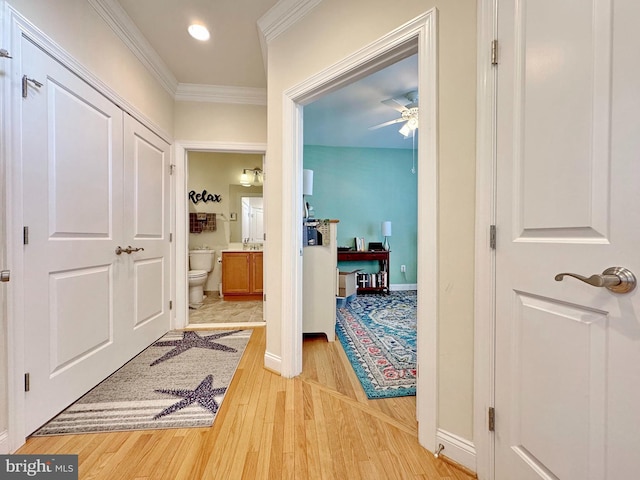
233, 58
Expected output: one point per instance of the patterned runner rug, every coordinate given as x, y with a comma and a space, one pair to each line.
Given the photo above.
177, 382
378, 334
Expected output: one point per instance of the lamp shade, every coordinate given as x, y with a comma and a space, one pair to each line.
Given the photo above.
386, 228
307, 182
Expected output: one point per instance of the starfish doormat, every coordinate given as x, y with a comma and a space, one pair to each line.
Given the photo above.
177, 382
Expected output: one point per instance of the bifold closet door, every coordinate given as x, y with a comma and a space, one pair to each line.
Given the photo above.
87, 310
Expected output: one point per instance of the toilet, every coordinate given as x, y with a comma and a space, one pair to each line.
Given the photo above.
200, 264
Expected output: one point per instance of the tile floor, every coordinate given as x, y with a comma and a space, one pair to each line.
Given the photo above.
218, 311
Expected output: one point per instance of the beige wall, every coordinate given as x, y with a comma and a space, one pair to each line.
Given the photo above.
76, 27
333, 30
217, 122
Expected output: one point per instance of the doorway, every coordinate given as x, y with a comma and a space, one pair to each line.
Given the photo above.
364, 173
224, 181
418, 37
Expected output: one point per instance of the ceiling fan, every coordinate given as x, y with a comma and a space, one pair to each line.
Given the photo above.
407, 105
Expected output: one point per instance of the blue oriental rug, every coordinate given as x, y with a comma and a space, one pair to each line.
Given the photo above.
378, 334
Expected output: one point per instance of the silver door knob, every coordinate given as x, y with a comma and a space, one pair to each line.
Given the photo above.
129, 250
5, 275
616, 279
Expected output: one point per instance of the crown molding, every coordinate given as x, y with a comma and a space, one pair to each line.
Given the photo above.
190, 92
279, 18
115, 16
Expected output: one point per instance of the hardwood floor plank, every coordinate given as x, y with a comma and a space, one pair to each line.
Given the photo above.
316, 426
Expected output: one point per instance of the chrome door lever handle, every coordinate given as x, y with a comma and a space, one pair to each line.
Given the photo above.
616, 279
129, 250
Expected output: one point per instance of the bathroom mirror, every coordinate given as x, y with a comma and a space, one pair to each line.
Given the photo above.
252, 195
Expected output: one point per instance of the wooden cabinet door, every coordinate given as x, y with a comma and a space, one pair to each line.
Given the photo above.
256, 273
235, 272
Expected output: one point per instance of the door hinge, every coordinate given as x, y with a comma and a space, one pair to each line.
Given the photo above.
264, 297
492, 237
27, 382
172, 169
170, 304
25, 235
492, 419
494, 52
170, 237
25, 85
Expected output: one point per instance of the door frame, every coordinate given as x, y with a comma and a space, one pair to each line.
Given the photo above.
14, 27
485, 256
417, 36
181, 149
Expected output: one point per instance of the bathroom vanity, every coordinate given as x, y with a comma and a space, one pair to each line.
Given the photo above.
242, 274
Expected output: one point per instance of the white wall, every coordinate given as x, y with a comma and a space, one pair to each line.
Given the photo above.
332, 31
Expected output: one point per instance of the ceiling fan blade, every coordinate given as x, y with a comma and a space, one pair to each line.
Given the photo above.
396, 103
391, 122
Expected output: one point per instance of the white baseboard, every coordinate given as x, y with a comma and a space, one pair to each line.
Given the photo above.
273, 362
403, 286
4, 442
458, 449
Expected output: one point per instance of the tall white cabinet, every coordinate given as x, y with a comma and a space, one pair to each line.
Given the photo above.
320, 283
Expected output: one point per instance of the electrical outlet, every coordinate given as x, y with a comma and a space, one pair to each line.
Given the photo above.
403, 268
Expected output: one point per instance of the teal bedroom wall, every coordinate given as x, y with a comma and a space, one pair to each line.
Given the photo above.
362, 187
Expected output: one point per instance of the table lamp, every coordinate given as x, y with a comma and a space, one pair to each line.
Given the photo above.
386, 233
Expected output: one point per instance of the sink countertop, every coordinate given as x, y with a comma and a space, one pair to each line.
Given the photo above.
233, 247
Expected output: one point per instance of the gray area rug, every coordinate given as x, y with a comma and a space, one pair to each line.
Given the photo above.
177, 382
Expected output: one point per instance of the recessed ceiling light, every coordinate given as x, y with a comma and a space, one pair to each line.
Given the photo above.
199, 32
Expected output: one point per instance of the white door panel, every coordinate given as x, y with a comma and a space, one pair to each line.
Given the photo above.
146, 225
72, 150
92, 181
567, 354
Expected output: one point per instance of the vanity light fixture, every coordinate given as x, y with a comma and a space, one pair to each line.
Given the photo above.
251, 177
199, 32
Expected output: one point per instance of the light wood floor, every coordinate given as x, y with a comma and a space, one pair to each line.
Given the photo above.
316, 426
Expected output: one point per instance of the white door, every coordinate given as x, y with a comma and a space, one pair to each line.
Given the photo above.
567, 367
144, 301
86, 312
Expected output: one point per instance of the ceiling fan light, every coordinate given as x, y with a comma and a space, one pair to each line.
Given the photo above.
199, 32
406, 130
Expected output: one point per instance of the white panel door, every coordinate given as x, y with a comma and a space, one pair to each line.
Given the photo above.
92, 181
72, 183
145, 296
567, 367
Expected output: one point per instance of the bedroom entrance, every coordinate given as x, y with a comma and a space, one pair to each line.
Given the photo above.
361, 153
416, 37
